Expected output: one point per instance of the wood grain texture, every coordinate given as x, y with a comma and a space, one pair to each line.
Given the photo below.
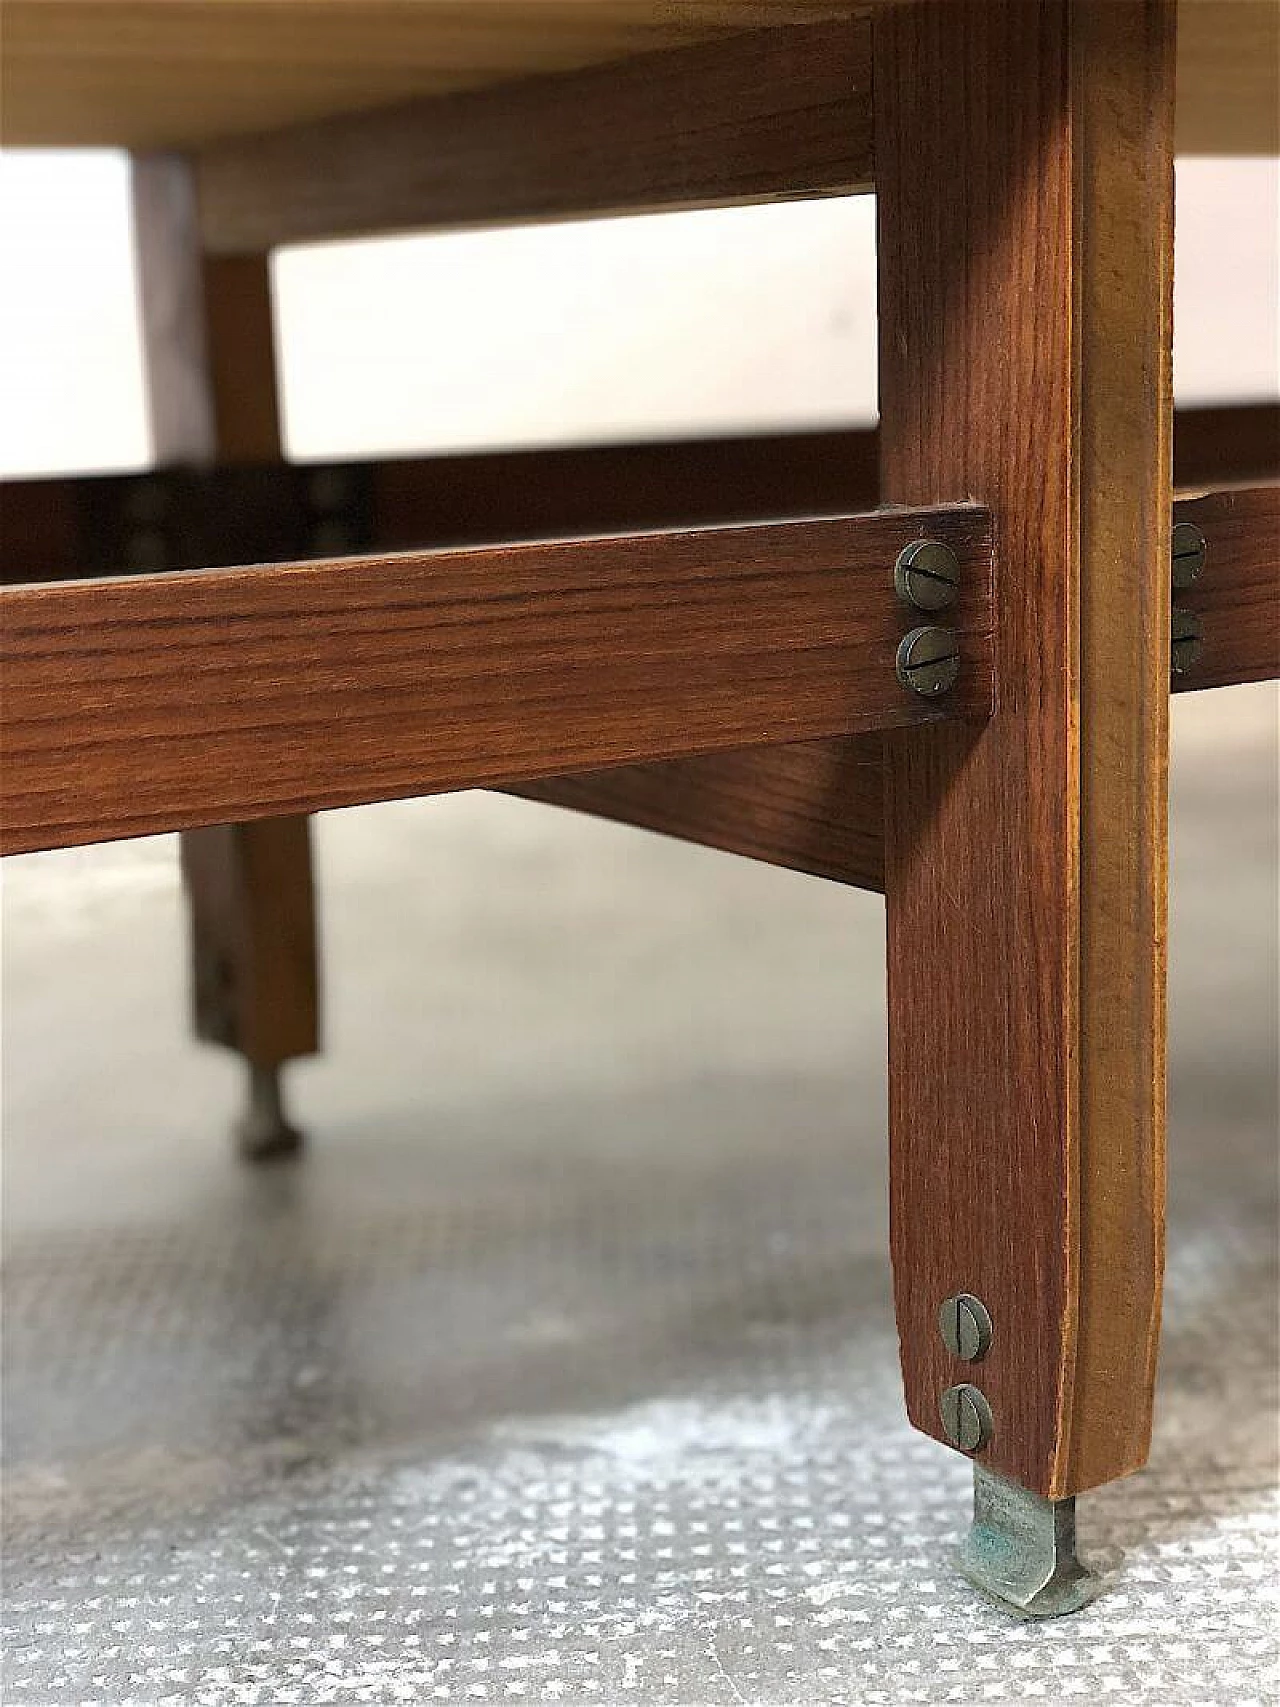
1237, 597
1123, 93
209, 370
757, 117
155, 74
1025, 206
815, 806
809, 806
163, 702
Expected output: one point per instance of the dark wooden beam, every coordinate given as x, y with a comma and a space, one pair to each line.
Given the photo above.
810, 806
766, 115
162, 702
1237, 594
610, 488
1225, 444
468, 499
94, 524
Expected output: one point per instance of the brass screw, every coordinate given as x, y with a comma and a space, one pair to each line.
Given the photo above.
1189, 548
928, 661
1188, 640
966, 1417
965, 1325
927, 575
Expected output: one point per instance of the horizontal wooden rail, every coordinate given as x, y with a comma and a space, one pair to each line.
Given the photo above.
1237, 595
760, 116
164, 702
812, 806
1226, 444
184, 519
816, 806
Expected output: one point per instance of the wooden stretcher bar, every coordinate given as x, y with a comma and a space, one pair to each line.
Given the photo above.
162, 702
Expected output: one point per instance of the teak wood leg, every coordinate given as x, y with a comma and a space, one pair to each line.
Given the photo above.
209, 366
1024, 172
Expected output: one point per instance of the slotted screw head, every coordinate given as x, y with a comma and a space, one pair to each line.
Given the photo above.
1189, 548
929, 661
1188, 640
966, 1417
965, 1324
927, 575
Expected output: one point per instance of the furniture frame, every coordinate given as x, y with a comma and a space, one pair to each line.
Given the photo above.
709, 670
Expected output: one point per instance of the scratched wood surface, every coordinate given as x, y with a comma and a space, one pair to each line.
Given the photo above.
1024, 168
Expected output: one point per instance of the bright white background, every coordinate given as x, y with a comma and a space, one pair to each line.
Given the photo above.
687, 323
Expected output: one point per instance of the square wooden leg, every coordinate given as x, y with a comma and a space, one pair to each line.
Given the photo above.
1024, 175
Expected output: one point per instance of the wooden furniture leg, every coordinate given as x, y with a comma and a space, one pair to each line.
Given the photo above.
1024, 172
210, 373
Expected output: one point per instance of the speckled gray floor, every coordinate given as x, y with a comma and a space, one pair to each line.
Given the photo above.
563, 1368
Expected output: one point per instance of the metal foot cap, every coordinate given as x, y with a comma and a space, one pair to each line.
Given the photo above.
262, 1133
1021, 1550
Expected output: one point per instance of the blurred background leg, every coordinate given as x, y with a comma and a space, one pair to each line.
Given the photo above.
210, 376
253, 959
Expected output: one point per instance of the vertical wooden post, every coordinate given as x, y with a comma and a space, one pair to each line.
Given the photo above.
209, 360
1024, 177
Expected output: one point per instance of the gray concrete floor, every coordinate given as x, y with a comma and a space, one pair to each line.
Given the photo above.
564, 1367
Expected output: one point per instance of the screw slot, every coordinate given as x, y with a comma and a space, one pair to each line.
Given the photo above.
965, 1324
928, 661
927, 575
966, 1417
1189, 548
1187, 641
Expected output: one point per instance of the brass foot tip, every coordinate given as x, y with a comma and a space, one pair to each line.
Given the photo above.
262, 1133
1021, 1550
